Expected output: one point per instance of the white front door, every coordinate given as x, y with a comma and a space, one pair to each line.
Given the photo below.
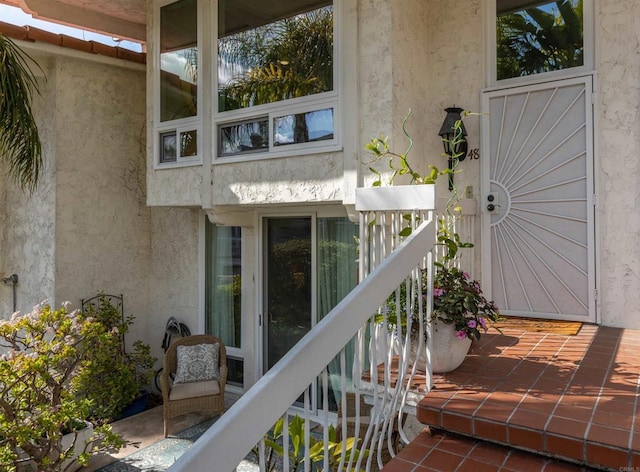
538, 200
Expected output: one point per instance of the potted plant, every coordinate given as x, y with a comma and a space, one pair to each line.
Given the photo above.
44, 352
460, 310
274, 445
117, 380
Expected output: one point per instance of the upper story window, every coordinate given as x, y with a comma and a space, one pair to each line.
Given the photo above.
178, 136
275, 76
270, 72
534, 37
271, 51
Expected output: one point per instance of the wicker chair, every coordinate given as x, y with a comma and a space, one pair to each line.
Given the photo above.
202, 396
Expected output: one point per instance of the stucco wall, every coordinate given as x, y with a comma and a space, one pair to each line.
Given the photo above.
102, 222
180, 186
455, 78
375, 78
27, 222
173, 281
410, 83
617, 163
456, 64
87, 227
314, 178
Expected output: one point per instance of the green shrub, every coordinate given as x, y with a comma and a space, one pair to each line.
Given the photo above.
113, 378
44, 353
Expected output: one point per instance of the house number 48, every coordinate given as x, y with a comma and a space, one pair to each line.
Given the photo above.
474, 153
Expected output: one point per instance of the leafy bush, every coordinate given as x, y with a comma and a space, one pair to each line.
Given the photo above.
113, 378
45, 352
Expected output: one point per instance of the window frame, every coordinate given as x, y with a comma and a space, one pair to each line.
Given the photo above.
192, 123
588, 56
291, 106
273, 151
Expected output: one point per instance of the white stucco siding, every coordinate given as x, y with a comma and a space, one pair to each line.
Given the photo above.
181, 186
300, 179
102, 222
375, 66
456, 64
411, 79
27, 222
173, 281
618, 166
455, 77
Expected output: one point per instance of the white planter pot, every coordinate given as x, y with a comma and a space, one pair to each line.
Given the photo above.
449, 352
81, 438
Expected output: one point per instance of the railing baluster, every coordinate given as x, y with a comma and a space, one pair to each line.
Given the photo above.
261, 457
307, 432
286, 466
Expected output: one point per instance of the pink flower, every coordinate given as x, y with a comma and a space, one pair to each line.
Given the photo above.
483, 323
461, 334
472, 323
438, 292
466, 275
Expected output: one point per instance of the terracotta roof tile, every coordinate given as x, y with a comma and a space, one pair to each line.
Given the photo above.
42, 36
29, 33
13, 31
75, 43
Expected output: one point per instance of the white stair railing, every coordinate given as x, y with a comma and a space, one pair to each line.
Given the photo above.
379, 378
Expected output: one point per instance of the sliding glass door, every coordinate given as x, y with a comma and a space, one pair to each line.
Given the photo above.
287, 285
309, 265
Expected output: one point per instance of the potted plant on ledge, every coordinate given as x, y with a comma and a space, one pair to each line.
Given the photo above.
460, 310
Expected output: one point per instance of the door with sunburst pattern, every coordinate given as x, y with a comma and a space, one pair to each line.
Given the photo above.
538, 200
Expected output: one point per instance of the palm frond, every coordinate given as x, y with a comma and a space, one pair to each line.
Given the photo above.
20, 143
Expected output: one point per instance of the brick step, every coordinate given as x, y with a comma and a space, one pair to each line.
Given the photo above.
573, 398
434, 450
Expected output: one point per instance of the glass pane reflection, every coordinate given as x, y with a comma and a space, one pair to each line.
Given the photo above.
178, 60
536, 37
248, 136
284, 50
303, 127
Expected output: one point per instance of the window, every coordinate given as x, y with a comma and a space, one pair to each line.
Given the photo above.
270, 71
282, 50
169, 149
223, 292
275, 76
534, 37
243, 137
178, 83
303, 127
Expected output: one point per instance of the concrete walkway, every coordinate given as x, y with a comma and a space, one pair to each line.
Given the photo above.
145, 429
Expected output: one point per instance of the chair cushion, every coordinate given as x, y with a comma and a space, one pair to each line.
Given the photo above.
197, 363
194, 389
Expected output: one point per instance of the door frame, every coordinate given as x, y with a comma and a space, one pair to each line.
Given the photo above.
589, 81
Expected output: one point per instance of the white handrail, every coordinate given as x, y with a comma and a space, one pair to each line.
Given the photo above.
230, 439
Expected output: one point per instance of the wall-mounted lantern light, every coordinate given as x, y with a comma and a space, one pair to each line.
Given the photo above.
454, 139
